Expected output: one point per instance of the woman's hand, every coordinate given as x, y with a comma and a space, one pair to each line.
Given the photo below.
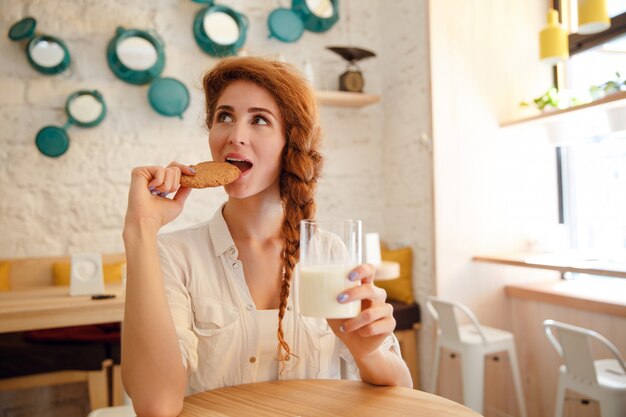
148, 204
365, 333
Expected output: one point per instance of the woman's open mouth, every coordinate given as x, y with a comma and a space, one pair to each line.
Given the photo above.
243, 164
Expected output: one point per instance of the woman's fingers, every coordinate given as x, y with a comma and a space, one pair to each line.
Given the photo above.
362, 292
167, 179
368, 321
183, 168
363, 272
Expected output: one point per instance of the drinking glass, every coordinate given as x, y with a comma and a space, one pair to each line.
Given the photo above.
329, 250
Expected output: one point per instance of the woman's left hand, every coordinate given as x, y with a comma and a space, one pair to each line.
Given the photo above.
365, 333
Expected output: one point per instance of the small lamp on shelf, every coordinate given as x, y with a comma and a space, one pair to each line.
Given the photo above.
593, 16
553, 42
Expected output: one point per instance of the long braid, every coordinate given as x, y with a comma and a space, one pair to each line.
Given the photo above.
297, 185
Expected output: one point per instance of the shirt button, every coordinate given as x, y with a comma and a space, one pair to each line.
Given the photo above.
249, 307
289, 308
235, 265
252, 359
231, 251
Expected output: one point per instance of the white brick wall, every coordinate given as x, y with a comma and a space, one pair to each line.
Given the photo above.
375, 170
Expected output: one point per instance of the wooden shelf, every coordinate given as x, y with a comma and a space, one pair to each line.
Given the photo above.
609, 102
345, 99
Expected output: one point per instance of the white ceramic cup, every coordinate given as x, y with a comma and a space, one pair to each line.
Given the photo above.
329, 250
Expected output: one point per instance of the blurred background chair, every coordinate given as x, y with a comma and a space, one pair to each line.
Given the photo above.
603, 380
472, 342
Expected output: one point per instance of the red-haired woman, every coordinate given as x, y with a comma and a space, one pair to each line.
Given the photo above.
211, 306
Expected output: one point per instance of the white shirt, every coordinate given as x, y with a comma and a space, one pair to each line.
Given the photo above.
268, 360
216, 319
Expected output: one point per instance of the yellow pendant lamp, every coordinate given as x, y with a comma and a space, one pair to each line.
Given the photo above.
593, 16
553, 42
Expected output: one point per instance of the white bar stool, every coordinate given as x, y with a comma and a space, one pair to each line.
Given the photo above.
603, 380
472, 342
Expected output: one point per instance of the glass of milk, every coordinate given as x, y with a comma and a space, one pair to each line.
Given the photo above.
329, 250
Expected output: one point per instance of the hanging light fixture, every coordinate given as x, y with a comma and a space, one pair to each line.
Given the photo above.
593, 16
553, 43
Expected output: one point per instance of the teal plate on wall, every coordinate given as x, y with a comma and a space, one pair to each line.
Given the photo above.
285, 25
52, 141
168, 97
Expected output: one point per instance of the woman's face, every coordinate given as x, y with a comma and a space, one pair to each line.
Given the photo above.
248, 132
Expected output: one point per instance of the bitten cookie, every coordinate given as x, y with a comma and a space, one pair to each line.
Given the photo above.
211, 174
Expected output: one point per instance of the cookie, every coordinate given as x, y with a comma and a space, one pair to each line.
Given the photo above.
211, 174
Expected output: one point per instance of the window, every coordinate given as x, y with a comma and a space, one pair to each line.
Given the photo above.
593, 176
592, 173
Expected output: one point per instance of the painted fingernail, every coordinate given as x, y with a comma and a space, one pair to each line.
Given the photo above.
163, 195
342, 328
193, 171
154, 192
353, 275
151, 188
342, 297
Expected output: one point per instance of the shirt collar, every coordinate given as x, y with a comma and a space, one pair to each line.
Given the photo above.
220, 235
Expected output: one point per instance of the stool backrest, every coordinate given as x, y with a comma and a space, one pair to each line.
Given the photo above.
443, 312
573, 343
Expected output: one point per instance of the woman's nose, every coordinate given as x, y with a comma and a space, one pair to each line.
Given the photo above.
238, 135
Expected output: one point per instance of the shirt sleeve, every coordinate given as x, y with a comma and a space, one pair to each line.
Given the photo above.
179, 301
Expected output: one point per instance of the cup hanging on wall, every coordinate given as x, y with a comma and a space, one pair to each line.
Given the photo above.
288, 25
84, 108
219, 30
593, 16
138, 57
47, 54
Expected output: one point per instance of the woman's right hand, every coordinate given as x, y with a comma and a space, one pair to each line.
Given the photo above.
148, 204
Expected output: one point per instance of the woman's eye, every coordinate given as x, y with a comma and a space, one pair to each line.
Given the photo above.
260, 120
224, 118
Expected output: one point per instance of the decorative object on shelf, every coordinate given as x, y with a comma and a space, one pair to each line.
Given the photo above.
138, 57
553, 41
593, 16
47, 54
557, 99
288, 25
351, 80
219, 30
84, 108
612, 86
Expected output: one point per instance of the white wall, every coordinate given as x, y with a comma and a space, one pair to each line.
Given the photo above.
494, 189
77, 202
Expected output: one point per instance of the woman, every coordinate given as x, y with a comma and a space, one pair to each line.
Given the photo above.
187, 295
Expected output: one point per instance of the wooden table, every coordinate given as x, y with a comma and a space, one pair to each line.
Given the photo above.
50, 307
323, 398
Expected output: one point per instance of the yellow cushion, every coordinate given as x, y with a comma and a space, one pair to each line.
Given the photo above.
5, 276
61, 272
400, 289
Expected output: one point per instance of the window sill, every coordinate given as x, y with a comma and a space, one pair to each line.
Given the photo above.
563, 262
